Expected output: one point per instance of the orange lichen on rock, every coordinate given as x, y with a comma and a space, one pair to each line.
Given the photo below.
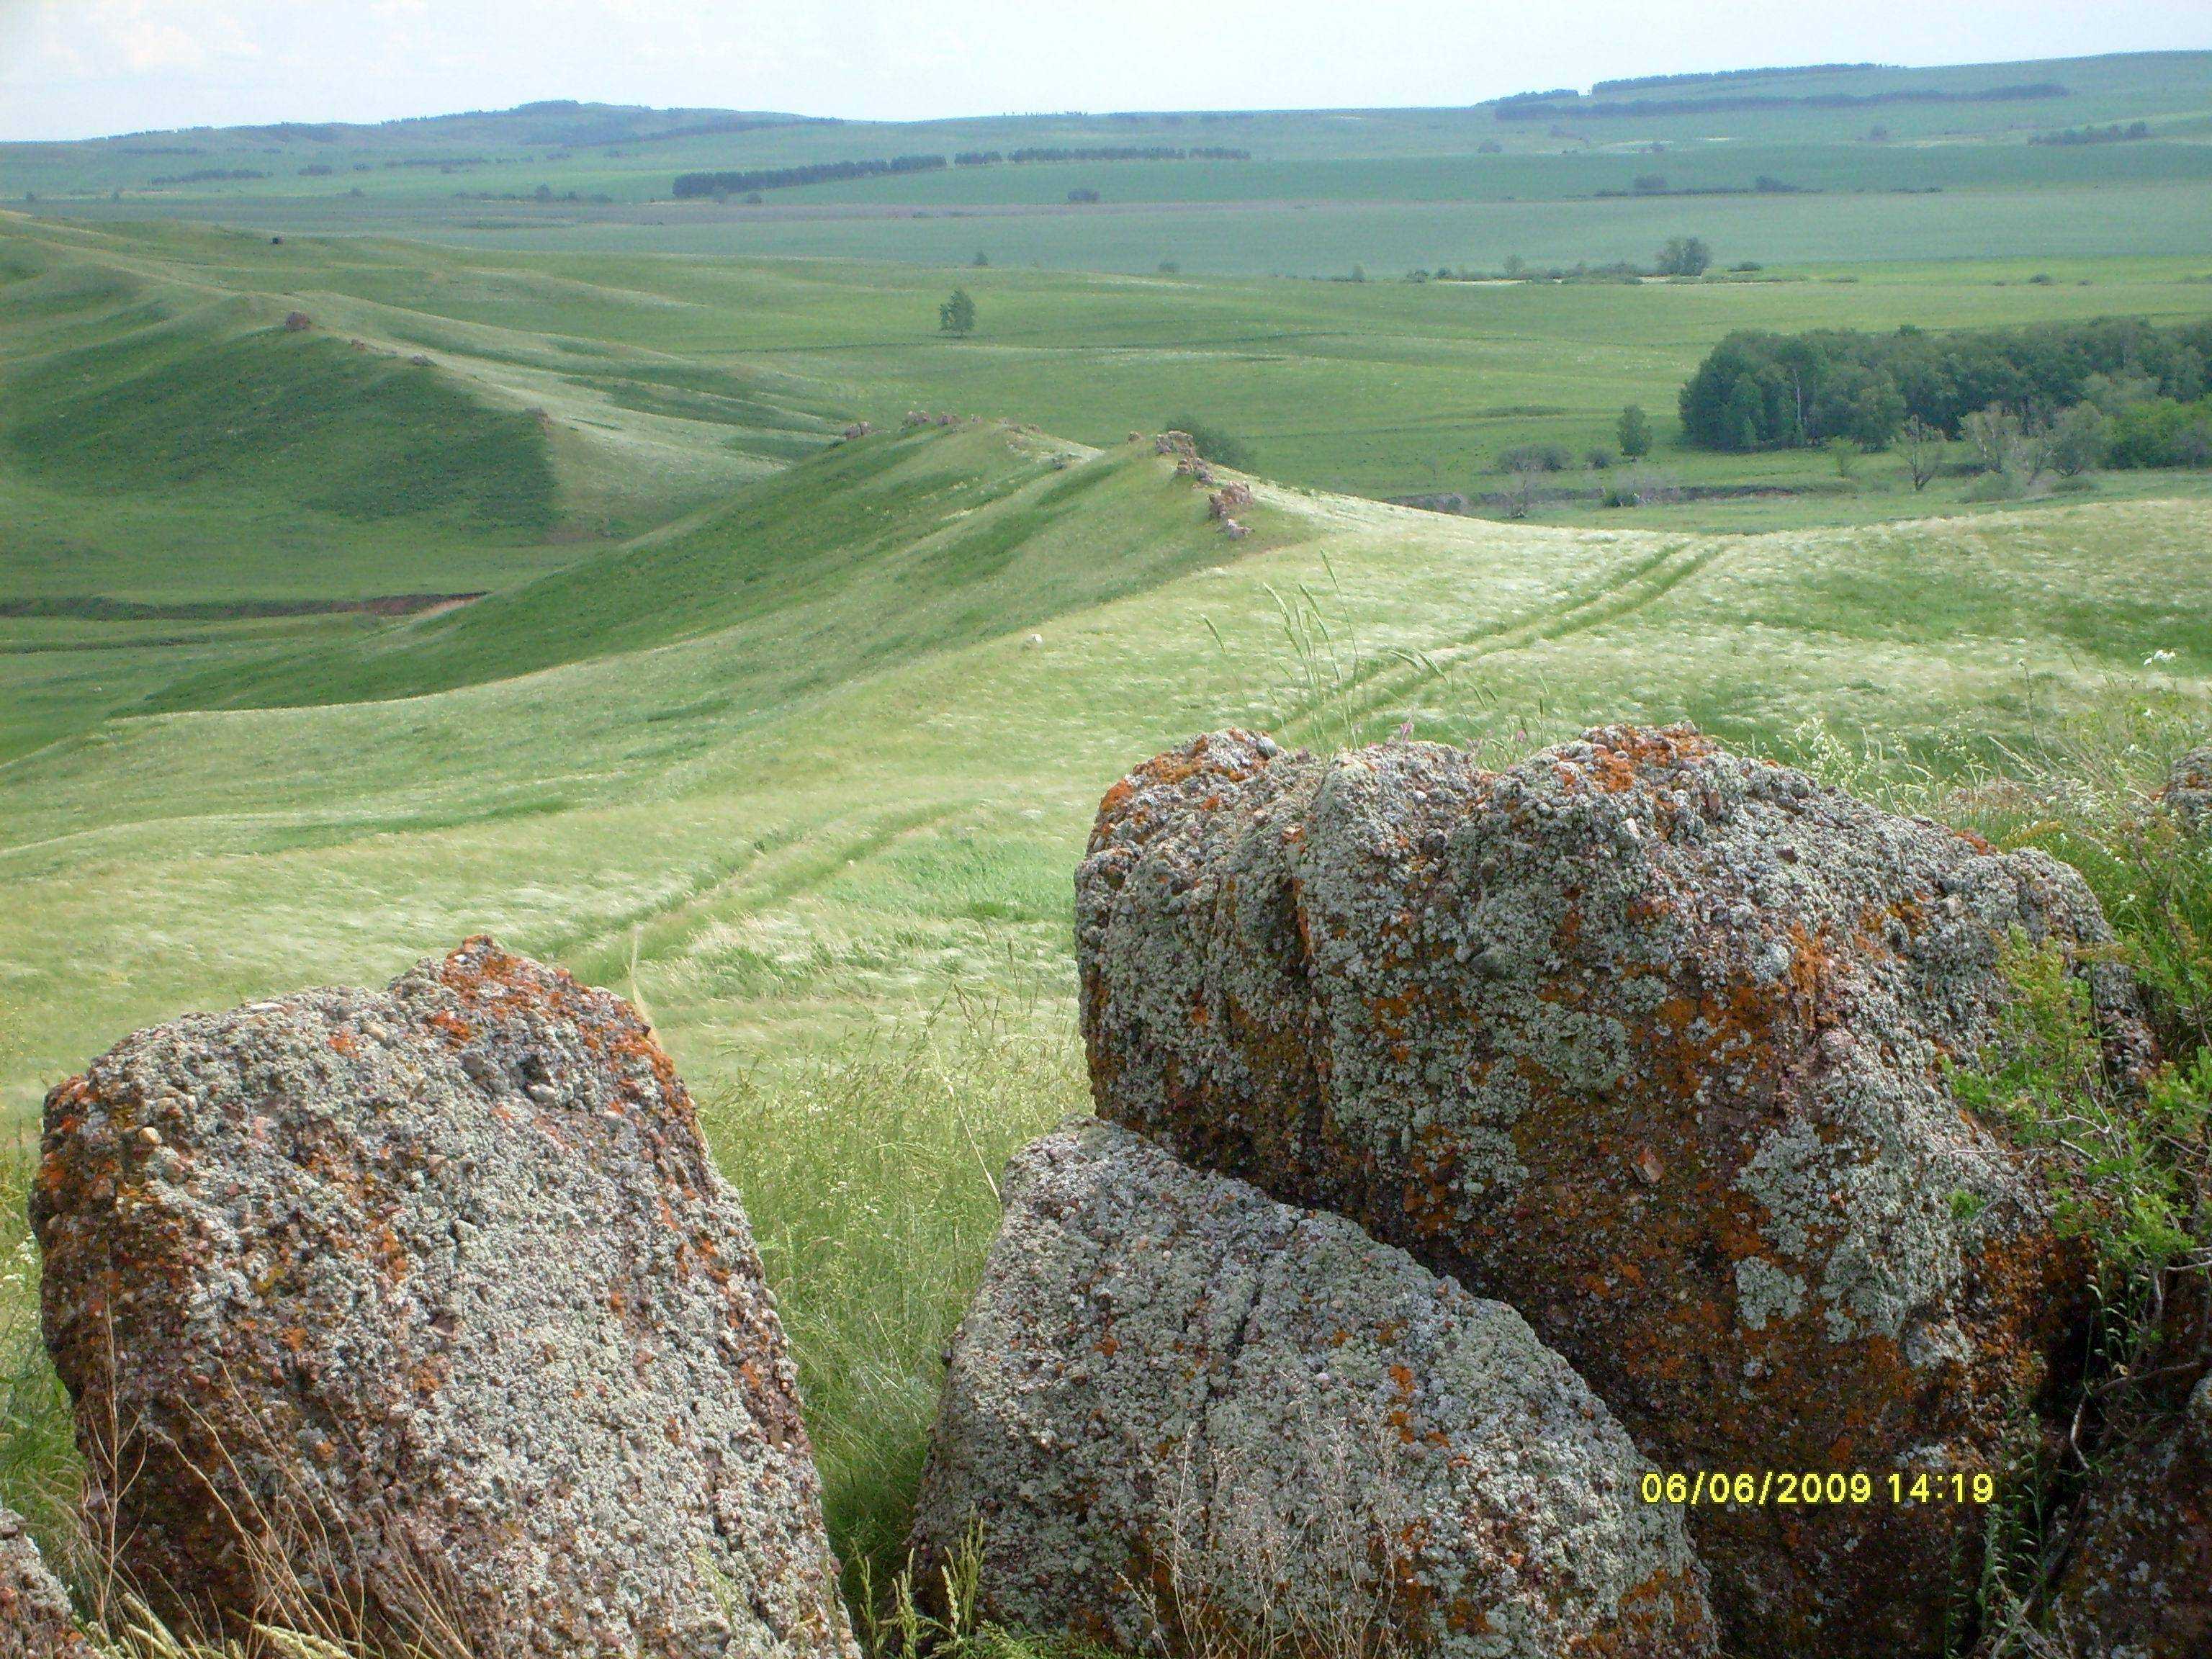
1650, 1041
428, 1265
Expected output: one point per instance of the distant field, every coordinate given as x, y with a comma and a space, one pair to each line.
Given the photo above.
634, 155
1320, 237
668, 373
1323, 192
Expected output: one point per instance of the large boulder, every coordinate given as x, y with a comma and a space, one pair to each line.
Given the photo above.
35, 1620
2140, 1582
1176, 1406
2188, 791
1650, 1041
428, 1302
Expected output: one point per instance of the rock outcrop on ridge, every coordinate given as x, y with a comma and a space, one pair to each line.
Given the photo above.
2188, 791
1649, 1041
427, 1302
1176, 1403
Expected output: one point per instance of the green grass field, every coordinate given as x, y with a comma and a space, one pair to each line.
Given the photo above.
533, 592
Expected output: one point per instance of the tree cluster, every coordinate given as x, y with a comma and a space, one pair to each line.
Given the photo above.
690, 185
1758, 391
2134, 132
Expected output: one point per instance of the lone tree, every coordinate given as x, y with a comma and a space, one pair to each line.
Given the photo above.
1921, 445
1634, 432
1684, 256
957, 315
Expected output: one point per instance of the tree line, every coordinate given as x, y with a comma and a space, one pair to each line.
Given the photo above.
689, 186
1646, 83
2134, 132
1541, 107
2138, 389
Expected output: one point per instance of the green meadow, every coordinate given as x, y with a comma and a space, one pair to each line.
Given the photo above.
376, 572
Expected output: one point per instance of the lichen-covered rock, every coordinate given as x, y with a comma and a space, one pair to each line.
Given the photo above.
1648, 1040
2140, 1586
1176, 1402
35, 1619
2188, 793
430, 1300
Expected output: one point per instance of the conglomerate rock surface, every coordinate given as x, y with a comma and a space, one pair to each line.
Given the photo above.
428, 1300
35, 1620
1649, 1041
2140, 1584
1175, 1402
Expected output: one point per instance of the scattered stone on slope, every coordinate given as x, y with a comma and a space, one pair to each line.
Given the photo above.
430, 1298
1175, 1402
35, 1619
2188, 793
2141, 1582
1649, 1041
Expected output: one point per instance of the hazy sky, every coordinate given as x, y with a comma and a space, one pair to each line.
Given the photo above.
76, 68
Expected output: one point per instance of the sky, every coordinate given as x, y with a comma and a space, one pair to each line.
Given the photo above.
82, 68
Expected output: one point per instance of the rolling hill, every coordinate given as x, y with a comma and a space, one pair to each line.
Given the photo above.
540, 595
1795, 164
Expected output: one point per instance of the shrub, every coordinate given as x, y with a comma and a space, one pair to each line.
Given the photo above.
1684, 256
1535, 458
2162, 432
1633, 431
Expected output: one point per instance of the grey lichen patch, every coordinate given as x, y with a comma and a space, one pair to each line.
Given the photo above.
1764, 1291
1175, 1401
429, 1304
1587, 1035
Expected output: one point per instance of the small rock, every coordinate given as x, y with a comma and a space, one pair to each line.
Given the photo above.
2140, 1582
1175, 1401
402, 1324
2188, 793
36, 1621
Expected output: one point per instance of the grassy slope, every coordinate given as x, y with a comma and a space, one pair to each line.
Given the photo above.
851, 848
177, 470
1380, 388
783, 878
888, 547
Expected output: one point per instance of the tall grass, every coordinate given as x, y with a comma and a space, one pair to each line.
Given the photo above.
869, 1172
